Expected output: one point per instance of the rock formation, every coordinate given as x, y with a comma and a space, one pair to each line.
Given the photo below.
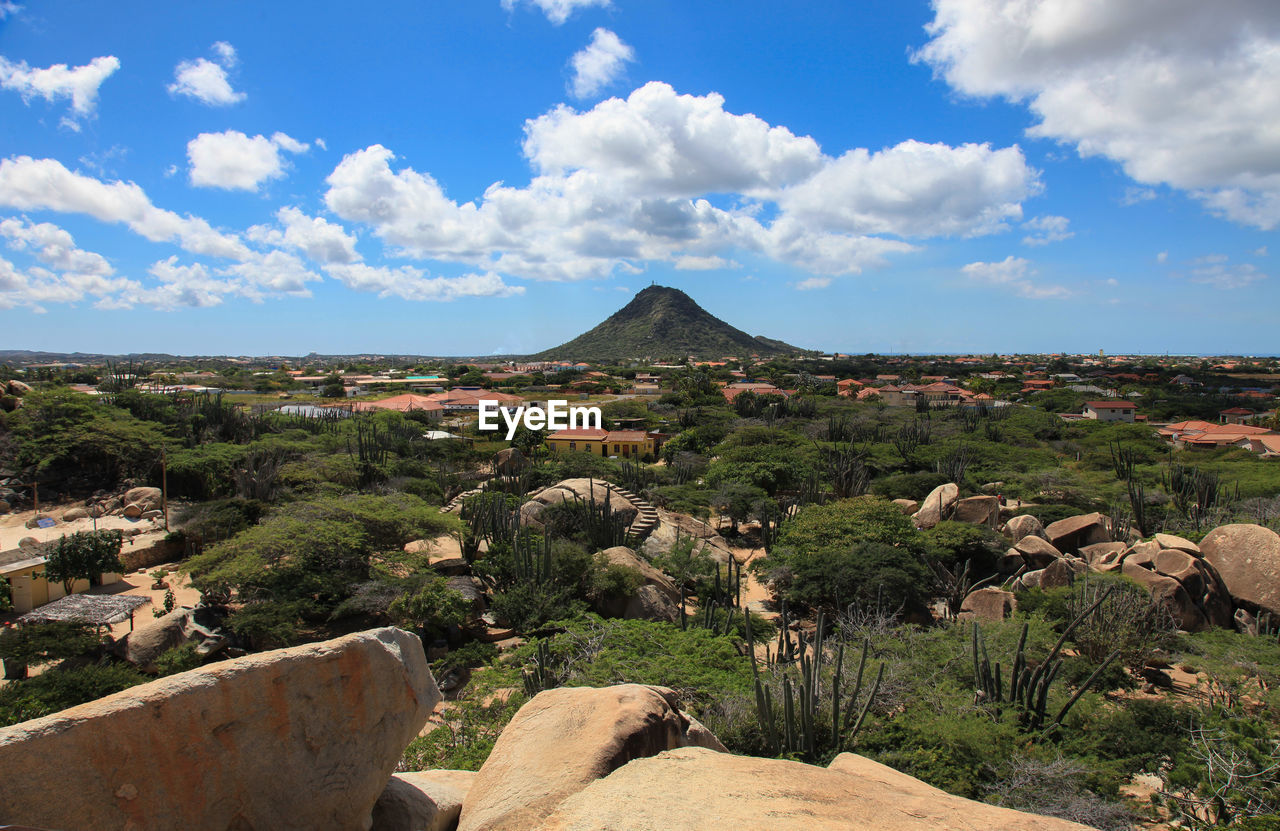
1248, 559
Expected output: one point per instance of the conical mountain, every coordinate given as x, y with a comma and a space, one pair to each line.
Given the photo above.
662, 322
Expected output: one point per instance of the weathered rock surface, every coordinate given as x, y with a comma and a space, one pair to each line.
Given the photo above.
1075, 532
938, 505
1198, 598
299, 738
1178, 543
509, 461
563, 740
693, 788
148, 499
428, 800
183, 625
72, 514
978, 510
1248, 559
989, 604
1061, 572
1037, 551
908, 506
678, 526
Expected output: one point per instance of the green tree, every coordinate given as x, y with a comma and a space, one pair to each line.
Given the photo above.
84, 555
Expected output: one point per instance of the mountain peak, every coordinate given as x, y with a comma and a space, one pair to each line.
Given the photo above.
661, 321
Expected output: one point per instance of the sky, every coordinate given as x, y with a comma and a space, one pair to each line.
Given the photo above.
472, 177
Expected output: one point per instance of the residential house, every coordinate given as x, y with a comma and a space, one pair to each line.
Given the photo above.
628, 444
29, 586
1115, 410
1235, 415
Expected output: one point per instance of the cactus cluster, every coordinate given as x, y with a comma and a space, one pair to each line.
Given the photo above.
1028, 689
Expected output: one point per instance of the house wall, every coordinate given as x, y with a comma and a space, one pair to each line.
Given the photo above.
1109, 415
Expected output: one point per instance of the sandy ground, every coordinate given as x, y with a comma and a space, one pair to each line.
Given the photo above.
13, 526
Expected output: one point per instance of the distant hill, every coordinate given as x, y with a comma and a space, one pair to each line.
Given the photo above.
664, 322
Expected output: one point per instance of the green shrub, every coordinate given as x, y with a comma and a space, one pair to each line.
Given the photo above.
179, 659
59, 689
907, 485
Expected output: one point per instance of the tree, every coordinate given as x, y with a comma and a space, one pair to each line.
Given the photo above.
84, 555
735, 500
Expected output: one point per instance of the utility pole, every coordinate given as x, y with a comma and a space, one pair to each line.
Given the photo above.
164, 487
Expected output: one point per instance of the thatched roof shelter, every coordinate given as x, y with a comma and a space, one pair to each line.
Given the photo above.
97, 609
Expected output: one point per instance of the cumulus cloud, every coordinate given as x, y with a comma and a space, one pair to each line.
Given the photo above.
1178, 92
813, 283
67, 274
235, 161
1013, 273
322, 241
557, 11
185, 285
917, 190
1046, 229
8, 9
206, 80
45, 184
78, 84
599, 64
411, 283
632, 181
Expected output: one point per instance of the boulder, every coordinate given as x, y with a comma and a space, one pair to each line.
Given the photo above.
937, 506
562, 741
428, 800
678, 526
651, 603
695, 788
509, 461
1037, 552
657, 598
978, 510
1247, 557
1061, 573
1030, 580
1024, 525
1073, 533
443, 554
133, 511
17, 388
298, 738
908, 506
34, 522
30, 543
473, 590
1101, 553
1169, 592
529, 513
148, 498
199, 625
1178, 543
989, 604
72, 514
5, 507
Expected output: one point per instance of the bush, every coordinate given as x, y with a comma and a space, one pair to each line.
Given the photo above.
179, 659
907, 485
954, 543
56, 690
869, 574
39, 643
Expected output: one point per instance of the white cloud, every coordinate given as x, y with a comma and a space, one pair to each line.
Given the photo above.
659, 142
185, 285
631, 181
557, 11
234, 161
1013, 273
72, 275
411, 284
79, 84
275, 272
1134, 196
1047, 229
1260, 251
8, 9
916, 189
206, 80
691, 263
1216, 270
322, 241
1178, 92
599, 64
45, 184
813, 283
1162, 257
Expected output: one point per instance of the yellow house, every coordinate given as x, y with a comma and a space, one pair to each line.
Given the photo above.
629, 444
29, 588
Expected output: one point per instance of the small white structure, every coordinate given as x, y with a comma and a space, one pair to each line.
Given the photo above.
1117, 410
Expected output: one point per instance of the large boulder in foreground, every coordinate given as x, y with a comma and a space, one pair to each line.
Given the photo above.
694, 788
1075, 532
298, 738
565, 739
1247, 558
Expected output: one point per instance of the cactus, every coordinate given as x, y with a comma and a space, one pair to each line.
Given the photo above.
538, 677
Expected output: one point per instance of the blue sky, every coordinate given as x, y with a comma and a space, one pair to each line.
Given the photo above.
495, 176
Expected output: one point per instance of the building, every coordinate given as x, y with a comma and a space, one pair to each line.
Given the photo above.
408, 402
629, 444
1110, 410
29, 587
1235, 415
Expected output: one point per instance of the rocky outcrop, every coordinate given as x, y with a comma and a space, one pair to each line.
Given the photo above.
937, 506
298, 738
1075, 532
989, 605
183, 625
657, 598
908, 506
1024, 525
428, 800
509, 461
693, 788
1248, 559
672, 527
562, 741
978, 510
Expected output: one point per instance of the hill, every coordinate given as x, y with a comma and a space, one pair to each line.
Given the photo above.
664, 322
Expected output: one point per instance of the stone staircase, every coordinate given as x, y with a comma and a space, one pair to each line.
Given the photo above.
641, 527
